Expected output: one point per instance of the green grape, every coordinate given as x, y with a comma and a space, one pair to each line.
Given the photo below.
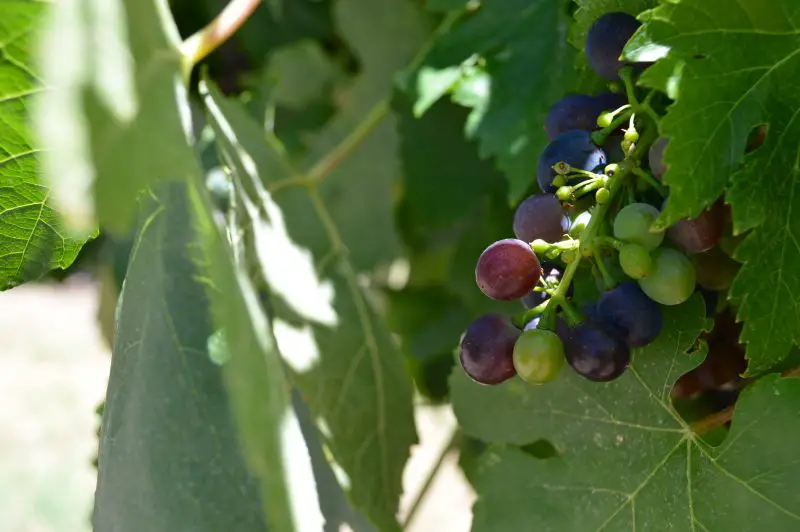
564, 193
602, 196
605, 119
631, 135
635, 261
538, 356
632, 224
672, 279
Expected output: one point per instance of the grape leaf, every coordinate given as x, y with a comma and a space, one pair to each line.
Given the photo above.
32, 239
753, 46
529, 62
626, 460
341, 356
167, 420
116, 119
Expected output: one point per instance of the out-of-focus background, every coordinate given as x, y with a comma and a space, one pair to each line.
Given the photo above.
55, 365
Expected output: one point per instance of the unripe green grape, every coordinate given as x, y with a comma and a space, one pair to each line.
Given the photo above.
604, 120
538, 356
602, 196
562, 168
564, 193
672, 279
540, 247
631, 135
611, 169
635, 261
632, 224
559, 181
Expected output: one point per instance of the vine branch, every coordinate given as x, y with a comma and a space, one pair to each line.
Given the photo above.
718, 419
199, 45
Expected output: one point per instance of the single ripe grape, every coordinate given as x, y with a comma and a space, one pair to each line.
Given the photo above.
627, 309
574, 111
655, 157
579, 111
672, 279
507, 269
714, 269
572, 147
606, 39
540, 217
632, 224
579, 224
538, 356
635, 261
595, 353
487, 349
701, 233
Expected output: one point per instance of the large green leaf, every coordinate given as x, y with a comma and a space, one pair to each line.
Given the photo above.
740, 68
116, 119
529, 63
343, 360
32, 240
626, 459
169, 457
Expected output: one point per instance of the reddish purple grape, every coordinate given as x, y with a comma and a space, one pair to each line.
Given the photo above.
487, 349
508, 269
701, 233
540, 216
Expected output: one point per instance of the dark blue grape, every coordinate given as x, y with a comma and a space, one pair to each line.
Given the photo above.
627, 309
613, 148
508, 269
595, 353
609, 101
580, 111
574, 148
540, 216
606, 39
487, 349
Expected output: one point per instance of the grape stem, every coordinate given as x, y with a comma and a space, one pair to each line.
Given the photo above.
599, 137
650, 180
608, 280
199, 45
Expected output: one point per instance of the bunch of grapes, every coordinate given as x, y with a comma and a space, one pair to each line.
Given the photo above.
600, 196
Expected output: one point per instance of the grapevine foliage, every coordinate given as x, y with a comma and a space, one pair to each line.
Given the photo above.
368, 199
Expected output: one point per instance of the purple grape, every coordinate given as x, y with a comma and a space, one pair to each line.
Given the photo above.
540, 216
655, 157
579, 111
507, 269
487, 349
572, 147
595, 353
606, 39
699, 234
627, 309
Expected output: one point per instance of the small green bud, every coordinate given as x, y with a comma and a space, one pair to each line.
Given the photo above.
602, 196
631, 135
611, 169
540, 247
564, 193
605, 119
562, 168
559, 181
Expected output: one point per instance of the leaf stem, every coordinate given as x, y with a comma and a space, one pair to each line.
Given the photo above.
199, 45
650, 180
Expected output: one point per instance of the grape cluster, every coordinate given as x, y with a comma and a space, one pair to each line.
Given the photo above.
600, 195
